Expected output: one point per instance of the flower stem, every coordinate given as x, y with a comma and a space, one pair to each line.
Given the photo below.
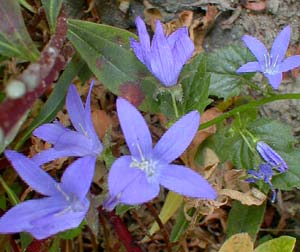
12, 197
249, 106
174, 104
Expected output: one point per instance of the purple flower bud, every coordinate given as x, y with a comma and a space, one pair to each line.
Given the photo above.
264, 173
271, 157
165, 56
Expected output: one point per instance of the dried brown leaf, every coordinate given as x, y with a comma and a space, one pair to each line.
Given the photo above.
238, 243
102, 122
251, 197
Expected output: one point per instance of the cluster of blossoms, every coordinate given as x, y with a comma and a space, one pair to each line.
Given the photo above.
135, 178
272, 160
132, 179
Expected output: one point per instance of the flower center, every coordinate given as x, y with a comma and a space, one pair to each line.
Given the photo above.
146, 165
74, 204
271, 64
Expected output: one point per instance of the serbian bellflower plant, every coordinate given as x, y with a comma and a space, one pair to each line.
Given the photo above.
83, 141
272, 64
64, 207
136, 178
166, 55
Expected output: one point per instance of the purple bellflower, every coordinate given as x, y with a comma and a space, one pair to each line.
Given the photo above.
272, 161
64, 207
264, 173
165, 56
136, 178
272, 64
271, 157
83, 141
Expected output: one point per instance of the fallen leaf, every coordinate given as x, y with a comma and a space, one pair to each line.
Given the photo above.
251, 197
238, 243
102, 122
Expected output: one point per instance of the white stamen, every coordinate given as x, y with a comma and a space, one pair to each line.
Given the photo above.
147, 166
83, 130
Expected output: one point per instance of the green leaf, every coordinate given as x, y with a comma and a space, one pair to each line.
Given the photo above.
281, 244
195, 84
52, 8
229, 144
244, 218
26, 239
171, 205
181, 224
56, 100
291, 178
14, 38
122, 209
107, 52
72, 233
222, 65
26, 5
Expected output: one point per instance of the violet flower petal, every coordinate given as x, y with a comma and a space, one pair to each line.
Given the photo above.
174, 142
250, 67
162, 61
20, 217
289, 63
50, 132
139, 52
134, 128
281, 44
274, 79
32, 174
256, 47
140, 190
75, 109
185, 181
52, 224
89, 127
75, 143
181, 46
121, 167
76, 183
50, 155
143, 34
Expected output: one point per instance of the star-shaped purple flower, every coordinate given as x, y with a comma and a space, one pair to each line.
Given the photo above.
272, 64
136, 178
64, 207
83, 141
166, 56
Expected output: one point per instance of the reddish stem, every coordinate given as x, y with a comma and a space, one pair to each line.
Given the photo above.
122, 231
37, 78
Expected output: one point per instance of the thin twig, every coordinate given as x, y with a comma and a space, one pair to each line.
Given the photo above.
13, 244
161, 226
